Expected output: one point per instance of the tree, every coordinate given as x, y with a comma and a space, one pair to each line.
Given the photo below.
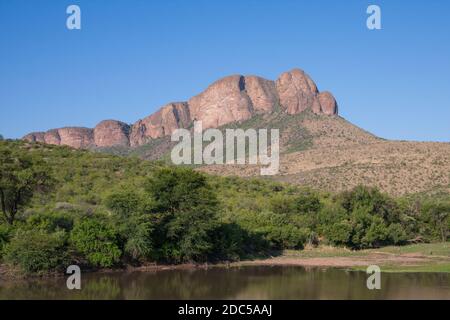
1, 137
20, 177
186, 208
437, 218
124, 203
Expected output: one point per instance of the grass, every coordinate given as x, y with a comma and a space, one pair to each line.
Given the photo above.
428, 249
435, 267
436, 255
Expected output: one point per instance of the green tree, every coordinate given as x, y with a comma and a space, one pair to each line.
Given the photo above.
139, 244
20, 177
37, 251
186, 210
97, 241
124, 203
134, 222
308, 203
373, 200
436, 216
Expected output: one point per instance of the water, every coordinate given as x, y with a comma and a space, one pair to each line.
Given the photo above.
266, 282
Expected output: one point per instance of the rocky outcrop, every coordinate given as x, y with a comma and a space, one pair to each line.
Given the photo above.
35, 137
75, 137
52, 137
222, 102
168, 118
231, 99
327, 103
79, 138
111, 133
297, 92
262, 93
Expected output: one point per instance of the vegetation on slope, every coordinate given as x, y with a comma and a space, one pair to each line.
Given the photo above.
62, 206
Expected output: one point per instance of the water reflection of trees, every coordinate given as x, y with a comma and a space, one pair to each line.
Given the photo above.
234, 283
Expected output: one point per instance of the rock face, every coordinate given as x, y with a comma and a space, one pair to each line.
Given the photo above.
168, 118
297, 92
263, 94
230, 99
111, 133
328, 103
35, 137
79, 138
222, 102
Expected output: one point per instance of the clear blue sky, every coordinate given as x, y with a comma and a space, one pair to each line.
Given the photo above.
133, 56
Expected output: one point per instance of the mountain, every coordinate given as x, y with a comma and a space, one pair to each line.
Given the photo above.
330, 153
231, 99
318, 148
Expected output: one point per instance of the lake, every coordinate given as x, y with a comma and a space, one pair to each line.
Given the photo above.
251, 282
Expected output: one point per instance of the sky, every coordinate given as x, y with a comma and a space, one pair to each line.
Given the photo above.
133, 56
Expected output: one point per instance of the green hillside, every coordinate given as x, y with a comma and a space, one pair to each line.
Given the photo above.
63, 206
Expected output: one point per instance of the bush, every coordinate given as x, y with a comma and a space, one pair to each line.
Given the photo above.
5, 234
436, 217
339, 233
36, 251
139, 243
124, 203
50, 222
97, 241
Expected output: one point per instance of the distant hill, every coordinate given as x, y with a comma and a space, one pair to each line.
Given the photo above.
332, 154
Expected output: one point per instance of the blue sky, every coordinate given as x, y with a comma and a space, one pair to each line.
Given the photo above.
132, 56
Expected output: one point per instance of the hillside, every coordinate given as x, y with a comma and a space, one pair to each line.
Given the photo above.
103, 211
332, 154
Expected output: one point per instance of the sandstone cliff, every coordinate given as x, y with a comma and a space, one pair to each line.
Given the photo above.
231, 99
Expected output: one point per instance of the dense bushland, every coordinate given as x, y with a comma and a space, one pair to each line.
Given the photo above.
62, 206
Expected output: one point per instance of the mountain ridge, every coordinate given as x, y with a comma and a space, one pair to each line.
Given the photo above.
230, 99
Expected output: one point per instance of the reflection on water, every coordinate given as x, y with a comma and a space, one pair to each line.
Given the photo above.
235, 283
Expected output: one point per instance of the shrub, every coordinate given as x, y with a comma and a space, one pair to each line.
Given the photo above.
5, 234
397, 234
97, 241
436, 217
139, 244
124, 203
339, 233
308, 203
37, 251
50, 222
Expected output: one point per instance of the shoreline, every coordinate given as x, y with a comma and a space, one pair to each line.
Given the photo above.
413, 258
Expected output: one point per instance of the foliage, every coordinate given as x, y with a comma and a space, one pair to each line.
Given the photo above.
436, 217
37, 251
186, 209
105, 211
20, 176
51, 222
97, 241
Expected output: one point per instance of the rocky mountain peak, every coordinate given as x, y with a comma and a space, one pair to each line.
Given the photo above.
231, 99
